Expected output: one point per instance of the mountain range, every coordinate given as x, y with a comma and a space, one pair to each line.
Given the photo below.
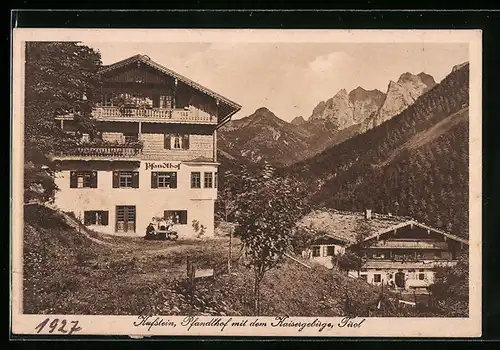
263, 137
414, 164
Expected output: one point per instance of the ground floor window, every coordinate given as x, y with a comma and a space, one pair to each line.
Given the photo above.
421, 276
377, 278
330, 250
315, 251
177, 216
95, 217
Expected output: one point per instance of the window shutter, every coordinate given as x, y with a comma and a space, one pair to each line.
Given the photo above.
166, 141
94, 179
185, 141
215, 180
105, 218
154, 179
183, 217
135, 179
87, 217
72, 179
174, 180
116, 179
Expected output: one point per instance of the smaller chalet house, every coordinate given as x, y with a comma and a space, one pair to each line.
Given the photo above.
396, 251
324, 248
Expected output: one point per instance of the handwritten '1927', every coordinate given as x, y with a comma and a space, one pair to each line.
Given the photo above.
58, 327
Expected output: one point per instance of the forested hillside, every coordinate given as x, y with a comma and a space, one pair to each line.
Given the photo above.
415, 164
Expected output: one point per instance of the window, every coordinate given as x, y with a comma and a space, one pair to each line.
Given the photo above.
176, 141
177, 216
315, 251
125, 179
129, 138
196, 179
377, 278
83, 179
208, 180
95, 217
364, 277
166, 179
330, 250
125, 218
421, 276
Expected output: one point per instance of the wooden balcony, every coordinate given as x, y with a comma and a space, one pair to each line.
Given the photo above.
108, 152
152, 115
394, 264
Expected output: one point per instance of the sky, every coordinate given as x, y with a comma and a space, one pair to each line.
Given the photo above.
290, 79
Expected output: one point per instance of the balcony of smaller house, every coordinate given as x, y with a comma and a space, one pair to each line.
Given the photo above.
101, 150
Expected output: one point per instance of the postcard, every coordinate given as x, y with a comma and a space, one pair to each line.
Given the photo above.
298, 183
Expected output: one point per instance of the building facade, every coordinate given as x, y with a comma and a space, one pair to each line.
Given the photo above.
395, 251
406, 256
155, 157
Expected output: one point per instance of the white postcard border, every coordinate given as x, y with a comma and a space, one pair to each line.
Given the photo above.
373, 327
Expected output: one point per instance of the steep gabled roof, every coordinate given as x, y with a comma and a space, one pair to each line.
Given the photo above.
324, 239
349, 226
415, 223
146, 60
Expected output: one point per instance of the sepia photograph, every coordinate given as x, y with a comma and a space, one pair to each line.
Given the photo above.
236, 182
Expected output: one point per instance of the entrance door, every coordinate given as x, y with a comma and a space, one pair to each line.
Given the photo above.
125, 218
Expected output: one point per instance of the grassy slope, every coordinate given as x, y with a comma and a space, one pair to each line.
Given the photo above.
66, 272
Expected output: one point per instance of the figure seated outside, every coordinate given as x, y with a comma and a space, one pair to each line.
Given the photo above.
150, 230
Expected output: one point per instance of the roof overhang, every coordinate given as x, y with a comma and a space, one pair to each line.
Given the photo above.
228, 105
418, 224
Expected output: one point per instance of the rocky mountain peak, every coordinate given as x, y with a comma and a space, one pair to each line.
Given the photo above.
264, 112
460, 66
298, 121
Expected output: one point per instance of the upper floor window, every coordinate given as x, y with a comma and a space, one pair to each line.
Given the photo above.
176, 141
196, 179
83, 179
163, 179
125, 179
208, 180
130, 137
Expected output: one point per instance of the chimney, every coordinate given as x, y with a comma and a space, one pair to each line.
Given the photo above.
368, 214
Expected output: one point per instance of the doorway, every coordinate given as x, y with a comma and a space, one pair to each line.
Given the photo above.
125, 219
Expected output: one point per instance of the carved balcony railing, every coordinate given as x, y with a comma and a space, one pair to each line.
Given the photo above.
165, 115
125, 152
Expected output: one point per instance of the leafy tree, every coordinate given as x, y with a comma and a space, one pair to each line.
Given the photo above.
60, 79
268, 208
451, 288
349, 261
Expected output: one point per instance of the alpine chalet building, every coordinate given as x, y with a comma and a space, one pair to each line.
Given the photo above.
156, 155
